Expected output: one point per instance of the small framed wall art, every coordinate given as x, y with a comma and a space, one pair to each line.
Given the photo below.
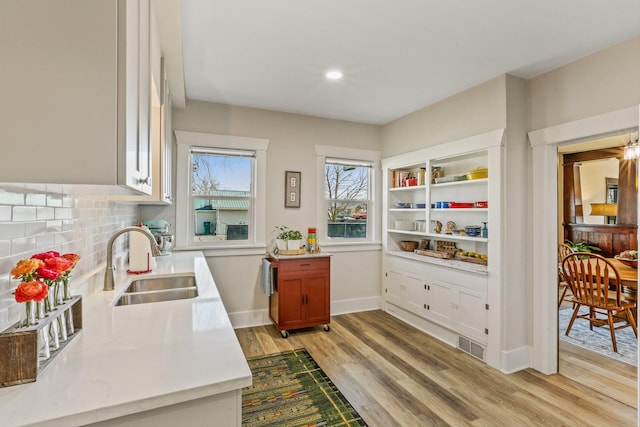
292, 189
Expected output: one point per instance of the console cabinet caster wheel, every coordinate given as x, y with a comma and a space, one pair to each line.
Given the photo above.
327, 328
285, 334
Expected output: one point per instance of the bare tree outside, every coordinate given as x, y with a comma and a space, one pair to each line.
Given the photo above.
344, 187
204, 180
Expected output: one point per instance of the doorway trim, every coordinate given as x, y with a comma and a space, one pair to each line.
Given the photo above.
544, 202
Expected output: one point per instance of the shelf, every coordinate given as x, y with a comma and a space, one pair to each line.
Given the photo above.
464, 182
459, 209
408, 210
408, 188
457, 237
449, 263
441, 236
413, 233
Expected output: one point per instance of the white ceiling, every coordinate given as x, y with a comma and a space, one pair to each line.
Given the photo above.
397, 55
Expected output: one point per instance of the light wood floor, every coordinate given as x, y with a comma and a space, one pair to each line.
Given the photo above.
395, 375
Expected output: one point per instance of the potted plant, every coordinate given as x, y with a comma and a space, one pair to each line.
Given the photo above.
288, 239
582, 246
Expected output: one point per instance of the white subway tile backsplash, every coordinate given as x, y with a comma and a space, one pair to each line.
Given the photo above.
54, 226
44, 213
45, 240
5, 248
54, 200
34, 222
12, 230
22, 245
63, 213
11, 198
24, 213
5, 213
33, 199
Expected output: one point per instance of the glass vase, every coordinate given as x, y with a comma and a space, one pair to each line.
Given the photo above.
50, 303
30, 314
40, 312
62, 327
57, 294
44, 353
66, 293
54, 335
68, 317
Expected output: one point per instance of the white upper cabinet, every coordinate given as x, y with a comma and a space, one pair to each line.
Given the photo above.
76, 93
160, 129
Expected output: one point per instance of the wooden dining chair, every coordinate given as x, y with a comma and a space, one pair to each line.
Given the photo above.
563, 287
595, 283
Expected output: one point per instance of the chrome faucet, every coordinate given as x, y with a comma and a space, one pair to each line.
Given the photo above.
108, 274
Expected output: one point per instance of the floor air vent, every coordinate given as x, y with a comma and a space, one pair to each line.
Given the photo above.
471, 347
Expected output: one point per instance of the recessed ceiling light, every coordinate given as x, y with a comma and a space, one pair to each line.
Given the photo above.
333, 75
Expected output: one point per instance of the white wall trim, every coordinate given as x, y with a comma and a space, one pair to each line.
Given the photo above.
544, 143
600, 125
469, 144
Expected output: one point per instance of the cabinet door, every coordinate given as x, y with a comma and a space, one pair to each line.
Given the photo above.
440, 303
134, 165
471, 314
394, 290
291, 300
167, 139
416, 294
59, 100
316, 294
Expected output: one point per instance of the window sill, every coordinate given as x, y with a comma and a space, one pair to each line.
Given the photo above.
245, 250
351, 246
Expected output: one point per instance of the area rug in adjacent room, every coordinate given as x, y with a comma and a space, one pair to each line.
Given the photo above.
289, 389
598, 340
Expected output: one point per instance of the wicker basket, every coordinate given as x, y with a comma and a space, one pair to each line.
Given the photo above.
409, 245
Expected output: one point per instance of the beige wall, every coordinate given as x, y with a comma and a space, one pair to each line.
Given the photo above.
606, 81
474, 111
292, 140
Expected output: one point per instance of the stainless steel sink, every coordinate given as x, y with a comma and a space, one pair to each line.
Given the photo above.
157, 296
161, 283
158, 289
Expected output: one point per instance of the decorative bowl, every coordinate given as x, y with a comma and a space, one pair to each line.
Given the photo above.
478, 173
472, 230
404, 205
627, 261
409, 245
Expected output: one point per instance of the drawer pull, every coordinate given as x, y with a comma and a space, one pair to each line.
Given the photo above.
305, 265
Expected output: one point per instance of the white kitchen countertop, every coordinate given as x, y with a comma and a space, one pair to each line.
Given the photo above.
134, 358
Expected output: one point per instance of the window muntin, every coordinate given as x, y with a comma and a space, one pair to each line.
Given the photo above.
222, 195
347, 195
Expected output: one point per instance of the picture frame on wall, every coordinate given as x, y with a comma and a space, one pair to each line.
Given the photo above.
292, 189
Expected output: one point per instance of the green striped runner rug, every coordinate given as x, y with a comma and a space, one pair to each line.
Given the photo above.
289, 389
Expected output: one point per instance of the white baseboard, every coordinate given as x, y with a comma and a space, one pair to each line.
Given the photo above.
247, 319
354, 305
516, 360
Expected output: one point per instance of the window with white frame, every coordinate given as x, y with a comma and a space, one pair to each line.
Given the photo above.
220, 194
348, 181
347, 196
